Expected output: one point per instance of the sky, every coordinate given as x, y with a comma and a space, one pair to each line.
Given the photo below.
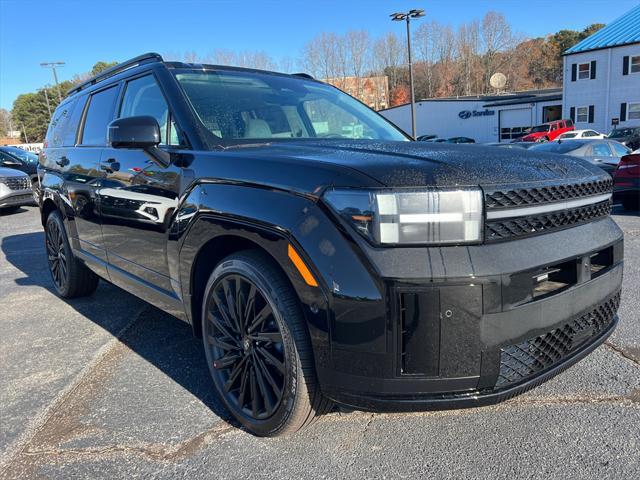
80, 33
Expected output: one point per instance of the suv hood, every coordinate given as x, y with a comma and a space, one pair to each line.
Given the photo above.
413, 164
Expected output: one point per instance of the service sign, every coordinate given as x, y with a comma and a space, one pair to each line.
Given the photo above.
465, 114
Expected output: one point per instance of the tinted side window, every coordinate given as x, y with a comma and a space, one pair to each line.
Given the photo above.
99, 114
143, 97
569, 123
73, 122
58, 124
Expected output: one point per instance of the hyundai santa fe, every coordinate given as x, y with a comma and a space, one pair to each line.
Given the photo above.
321, 255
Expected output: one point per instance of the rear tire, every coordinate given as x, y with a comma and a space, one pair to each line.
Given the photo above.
258, 348
71, 278
632, 204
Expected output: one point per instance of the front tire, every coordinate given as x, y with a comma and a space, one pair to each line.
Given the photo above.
71, 278
257, 346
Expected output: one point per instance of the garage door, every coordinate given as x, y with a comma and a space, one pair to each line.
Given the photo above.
513, 123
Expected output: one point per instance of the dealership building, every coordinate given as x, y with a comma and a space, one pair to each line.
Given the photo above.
601, 88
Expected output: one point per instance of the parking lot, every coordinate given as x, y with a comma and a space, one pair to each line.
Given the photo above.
109, 386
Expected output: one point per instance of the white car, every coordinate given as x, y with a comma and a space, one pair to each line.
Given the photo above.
574, 134
15, 189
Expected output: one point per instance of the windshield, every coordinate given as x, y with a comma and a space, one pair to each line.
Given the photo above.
557, 147
624, 132
540, 128
238, 106
23, 155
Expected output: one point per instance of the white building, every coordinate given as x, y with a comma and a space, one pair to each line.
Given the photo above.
602, 76
485, 118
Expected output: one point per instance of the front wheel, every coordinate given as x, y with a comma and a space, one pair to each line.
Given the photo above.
257, 346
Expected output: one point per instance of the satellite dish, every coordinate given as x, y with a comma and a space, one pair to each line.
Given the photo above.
498, 80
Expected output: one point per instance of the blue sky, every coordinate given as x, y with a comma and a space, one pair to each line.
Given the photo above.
83, 32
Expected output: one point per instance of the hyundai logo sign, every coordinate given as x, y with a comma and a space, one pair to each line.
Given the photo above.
464, 114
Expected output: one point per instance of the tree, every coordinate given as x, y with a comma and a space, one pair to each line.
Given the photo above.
99, 67
399, 95
5, 122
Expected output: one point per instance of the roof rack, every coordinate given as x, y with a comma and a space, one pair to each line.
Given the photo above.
150, 57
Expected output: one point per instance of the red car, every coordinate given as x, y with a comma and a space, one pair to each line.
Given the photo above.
548, 131
626, 182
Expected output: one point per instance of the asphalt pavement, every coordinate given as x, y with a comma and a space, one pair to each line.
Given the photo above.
111, 387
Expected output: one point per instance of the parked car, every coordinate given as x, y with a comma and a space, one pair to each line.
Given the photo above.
604, 153
460, 140
14, 157
629, 137
626, 182
548, 132
424, 138
576, 134
436, 140
319, 263
15, 190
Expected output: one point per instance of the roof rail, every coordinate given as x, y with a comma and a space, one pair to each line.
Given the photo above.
111, 71
303, 75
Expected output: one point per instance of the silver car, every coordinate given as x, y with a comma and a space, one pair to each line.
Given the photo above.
15, 189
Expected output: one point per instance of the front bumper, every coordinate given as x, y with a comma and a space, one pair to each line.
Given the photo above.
468, 326
16, 198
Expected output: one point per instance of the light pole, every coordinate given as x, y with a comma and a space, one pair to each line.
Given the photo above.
52, 66
46, 97
397, 17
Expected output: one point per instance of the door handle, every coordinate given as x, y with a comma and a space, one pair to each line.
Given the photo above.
110, 165
63, 162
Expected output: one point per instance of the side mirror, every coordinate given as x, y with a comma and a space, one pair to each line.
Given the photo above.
134, 132
141, 132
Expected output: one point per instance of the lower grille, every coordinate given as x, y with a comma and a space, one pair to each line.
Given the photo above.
532, 225
524, 360
17, 183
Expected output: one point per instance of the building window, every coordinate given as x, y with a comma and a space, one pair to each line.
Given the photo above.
635, 64
584, 71
582, 114
633, 111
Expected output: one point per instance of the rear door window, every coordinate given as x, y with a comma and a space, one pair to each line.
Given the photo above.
601, 150
99, 115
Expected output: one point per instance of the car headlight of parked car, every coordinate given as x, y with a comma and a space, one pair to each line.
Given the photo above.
412, 217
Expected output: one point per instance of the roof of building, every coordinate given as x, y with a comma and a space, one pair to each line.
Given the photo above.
525, 96
622, 31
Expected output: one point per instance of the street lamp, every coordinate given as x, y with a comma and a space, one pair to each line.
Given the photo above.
52, 66
398, 17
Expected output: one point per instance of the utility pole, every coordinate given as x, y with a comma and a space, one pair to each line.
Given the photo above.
396, 17
46, 97
52, 66
26, 139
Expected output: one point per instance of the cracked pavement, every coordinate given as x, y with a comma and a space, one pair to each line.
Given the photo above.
109, 387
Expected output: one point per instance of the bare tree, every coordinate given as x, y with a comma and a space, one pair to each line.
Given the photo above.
467, 46
497, 45
357, 46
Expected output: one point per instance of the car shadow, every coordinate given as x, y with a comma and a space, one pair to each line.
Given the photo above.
164, 341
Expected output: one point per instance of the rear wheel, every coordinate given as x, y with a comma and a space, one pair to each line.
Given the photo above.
70, 277
257, 346
630, 203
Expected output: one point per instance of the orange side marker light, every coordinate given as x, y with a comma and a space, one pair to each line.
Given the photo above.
302, 268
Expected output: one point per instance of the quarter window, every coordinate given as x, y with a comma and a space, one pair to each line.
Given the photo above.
584, 71
99, 114
633, 111
143, 97
620, 149
582, 114
634, 64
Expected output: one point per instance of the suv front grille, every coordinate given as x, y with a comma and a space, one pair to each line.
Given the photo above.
524, 360
17, 183
496, 230
546, 194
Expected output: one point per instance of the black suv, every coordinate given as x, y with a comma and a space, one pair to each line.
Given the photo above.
320, 254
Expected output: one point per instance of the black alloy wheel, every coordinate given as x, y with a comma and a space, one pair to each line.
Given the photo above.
56, 255
246, 346
70, 276
257, 346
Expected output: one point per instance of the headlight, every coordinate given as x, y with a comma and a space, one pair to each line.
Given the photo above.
412, 217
